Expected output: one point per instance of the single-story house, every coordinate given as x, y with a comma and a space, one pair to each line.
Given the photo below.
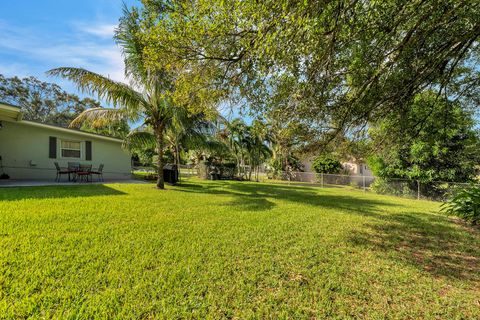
29, 149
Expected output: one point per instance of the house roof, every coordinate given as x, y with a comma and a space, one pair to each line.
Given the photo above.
10, 112
9, 104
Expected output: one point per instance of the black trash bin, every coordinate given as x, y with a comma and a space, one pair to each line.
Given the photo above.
170, 173
213, 174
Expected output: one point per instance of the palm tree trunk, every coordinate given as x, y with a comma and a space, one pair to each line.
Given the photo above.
177, 157
250, 170
238, 166
160, 145
177, 153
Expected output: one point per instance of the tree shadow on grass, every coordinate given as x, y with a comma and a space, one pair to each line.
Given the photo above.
255, 197
52, 192
250, 203
432, 243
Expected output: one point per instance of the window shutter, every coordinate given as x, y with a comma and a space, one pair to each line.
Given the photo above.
52, 147
88, 150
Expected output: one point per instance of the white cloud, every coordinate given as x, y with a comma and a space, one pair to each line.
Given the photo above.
85, 47
14, 69
99, 30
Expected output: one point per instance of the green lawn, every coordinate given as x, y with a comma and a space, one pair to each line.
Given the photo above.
240, 250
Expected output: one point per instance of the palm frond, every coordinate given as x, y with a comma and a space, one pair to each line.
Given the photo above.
117, 93
92, 115
126, 36
140, 138
213, 146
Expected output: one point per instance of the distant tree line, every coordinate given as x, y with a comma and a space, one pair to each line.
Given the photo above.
48, 103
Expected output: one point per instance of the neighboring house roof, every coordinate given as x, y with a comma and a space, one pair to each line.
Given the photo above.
13, 113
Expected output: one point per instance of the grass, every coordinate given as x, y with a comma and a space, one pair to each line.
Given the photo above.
216, 249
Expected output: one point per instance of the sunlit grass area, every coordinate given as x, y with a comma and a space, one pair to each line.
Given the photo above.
218, 249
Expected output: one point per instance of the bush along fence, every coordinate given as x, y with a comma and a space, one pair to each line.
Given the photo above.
415, 189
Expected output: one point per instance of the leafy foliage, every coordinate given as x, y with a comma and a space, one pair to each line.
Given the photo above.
326, 164
395, 187
118, 129
465, 204
42, 101
286, 138
433, 139
333, 66
285, 164
248, 145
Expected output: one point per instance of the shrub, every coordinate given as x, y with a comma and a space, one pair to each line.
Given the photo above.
326, 164
465, 204
393, 187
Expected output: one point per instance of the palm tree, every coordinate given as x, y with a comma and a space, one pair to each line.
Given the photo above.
182, 132
247, 144
147, 97
235, 136
259, 151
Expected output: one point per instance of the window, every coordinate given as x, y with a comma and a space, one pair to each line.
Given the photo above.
70, 149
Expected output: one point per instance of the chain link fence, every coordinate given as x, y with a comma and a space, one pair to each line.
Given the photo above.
414, 189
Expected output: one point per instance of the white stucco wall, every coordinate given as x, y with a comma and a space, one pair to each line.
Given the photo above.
24, 148
360, 169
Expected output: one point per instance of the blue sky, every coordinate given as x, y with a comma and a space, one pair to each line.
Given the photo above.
38, 35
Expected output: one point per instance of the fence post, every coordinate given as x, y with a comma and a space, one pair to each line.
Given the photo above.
364, 187
322, 179
418, 189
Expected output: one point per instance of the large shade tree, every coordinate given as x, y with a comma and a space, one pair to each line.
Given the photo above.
337, 65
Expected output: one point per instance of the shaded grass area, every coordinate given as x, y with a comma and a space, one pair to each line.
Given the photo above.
221, 249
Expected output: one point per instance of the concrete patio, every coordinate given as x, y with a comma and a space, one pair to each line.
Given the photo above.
10, 183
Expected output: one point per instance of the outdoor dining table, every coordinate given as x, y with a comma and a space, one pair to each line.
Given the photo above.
79, 171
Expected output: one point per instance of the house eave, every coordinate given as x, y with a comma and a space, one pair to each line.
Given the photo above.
8, 112
71, 131
13, 113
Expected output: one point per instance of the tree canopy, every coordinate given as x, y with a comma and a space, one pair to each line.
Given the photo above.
330, 65
431, 140
42, 101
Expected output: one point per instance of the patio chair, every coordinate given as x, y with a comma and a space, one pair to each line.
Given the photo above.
84, 172
98, 172
61, 171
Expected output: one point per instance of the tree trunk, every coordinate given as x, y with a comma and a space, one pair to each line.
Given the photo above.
250, 170
160, 145
177, 157
177, 153
238, 166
